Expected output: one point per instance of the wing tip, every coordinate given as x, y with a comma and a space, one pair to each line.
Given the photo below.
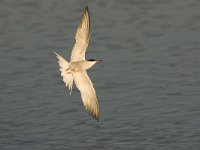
86, 8
87, 12
96, 116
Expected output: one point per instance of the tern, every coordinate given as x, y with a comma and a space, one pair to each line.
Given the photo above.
75, 70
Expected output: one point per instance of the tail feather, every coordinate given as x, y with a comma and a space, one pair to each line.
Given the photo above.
67, 77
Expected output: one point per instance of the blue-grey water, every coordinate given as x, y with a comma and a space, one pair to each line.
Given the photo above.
148, 85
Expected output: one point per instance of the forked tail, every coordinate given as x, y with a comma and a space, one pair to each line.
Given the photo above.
65, 72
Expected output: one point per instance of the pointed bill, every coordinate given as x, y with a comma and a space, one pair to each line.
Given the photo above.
82, 38
88, 94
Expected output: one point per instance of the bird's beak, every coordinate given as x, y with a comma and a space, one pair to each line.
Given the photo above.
99, 60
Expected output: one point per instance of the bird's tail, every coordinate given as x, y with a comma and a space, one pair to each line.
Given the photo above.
65, 72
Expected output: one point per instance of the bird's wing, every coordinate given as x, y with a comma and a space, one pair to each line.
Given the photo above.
88, 94
82, 38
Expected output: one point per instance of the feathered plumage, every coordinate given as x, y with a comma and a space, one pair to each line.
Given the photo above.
75, 70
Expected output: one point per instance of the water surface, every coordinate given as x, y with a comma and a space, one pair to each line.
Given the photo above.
148, 85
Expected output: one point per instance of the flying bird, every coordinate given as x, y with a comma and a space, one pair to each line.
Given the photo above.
75, 70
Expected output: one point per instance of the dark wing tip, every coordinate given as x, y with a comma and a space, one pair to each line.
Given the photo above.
96, 117
93, 114
87, 9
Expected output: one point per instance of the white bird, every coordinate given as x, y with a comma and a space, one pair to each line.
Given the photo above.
75, 70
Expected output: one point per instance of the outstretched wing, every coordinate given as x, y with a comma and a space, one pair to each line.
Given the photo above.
82, 38
88, 94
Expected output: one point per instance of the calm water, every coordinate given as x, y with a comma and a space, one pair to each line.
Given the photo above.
148, 85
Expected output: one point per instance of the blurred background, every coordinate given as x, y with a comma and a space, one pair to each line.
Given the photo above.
148, 85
